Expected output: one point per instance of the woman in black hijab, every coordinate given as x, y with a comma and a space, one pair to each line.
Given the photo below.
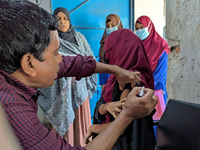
66, 104
65, 30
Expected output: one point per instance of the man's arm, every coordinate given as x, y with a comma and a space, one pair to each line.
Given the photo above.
108, 137
95, 128
123, 76
83, 66
76, 66
135, 107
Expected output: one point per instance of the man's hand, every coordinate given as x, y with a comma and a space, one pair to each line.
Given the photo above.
125, 76
136, 107
114, 108
88, 136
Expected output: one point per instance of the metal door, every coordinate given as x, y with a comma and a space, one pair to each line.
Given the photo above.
88, 17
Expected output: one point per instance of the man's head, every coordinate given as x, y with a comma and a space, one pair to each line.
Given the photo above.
27, 35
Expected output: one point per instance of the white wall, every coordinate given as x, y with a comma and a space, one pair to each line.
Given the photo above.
155, 9
46, 4
183, 28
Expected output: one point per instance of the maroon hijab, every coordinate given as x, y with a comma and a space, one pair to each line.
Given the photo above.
154, 44
123, 48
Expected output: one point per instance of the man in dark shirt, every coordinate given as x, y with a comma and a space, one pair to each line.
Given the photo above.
29, 59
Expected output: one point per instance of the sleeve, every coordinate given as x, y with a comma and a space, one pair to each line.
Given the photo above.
76, 66
160, 74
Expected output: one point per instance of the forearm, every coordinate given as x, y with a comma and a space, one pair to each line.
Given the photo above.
102, 109
108, 137
98, 128
106, 68
125, 93
123, 76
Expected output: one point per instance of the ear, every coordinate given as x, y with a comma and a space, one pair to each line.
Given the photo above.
28, 64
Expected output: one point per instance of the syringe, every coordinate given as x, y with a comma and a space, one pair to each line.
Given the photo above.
141, 92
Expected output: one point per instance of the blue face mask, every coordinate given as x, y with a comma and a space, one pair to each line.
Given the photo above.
110, 30
143, 33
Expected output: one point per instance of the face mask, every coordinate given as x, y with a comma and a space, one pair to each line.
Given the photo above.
110, 30
143, 33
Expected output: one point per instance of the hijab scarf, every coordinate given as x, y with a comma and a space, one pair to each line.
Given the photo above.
124, 49
154, 44
115, 21
69, 35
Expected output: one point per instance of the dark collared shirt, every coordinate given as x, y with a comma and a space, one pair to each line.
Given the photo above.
20, 104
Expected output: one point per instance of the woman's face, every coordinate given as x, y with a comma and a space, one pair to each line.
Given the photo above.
63, 23
139, 26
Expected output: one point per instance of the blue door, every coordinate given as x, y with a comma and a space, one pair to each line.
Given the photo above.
88, 17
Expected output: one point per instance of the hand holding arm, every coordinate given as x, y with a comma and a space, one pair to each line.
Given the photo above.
82, 66
123, 76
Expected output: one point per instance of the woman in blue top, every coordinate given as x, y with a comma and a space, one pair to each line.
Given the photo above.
157, 51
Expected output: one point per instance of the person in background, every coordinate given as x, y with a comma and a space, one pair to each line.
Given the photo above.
113, 23
29, 59
123, 48
157, 51
68, 107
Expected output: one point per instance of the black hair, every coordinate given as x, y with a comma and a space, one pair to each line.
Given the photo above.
138, 22
24, 29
